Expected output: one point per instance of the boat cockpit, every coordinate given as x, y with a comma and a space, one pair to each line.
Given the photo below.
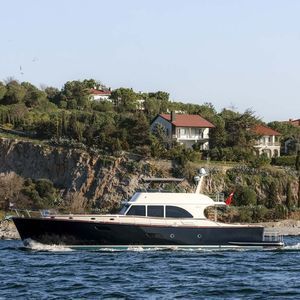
159, 211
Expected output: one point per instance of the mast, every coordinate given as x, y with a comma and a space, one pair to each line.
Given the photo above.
199, 180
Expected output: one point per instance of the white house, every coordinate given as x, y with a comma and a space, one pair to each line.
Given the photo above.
99, 95
268, 141
185, 129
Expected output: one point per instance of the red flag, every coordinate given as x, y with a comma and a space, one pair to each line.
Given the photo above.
229, 199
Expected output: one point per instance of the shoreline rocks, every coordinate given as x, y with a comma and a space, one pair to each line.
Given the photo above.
284, 227
8, 231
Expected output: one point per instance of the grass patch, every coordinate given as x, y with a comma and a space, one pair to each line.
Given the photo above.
22, 138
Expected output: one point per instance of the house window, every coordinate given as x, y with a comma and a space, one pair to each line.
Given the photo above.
182, 131
177, 212
200, 132
155, 211
137, 210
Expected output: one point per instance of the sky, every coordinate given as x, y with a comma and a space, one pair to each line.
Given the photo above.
237, 54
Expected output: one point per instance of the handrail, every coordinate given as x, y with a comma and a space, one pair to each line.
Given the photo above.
218, 197
272, 236
30, 212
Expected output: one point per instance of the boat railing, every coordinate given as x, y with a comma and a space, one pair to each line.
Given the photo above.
218, 197
33, 213
272, 236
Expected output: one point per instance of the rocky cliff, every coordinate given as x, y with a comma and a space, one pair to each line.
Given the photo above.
105, 180
97, 177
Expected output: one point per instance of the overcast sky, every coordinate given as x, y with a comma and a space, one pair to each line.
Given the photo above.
241, 54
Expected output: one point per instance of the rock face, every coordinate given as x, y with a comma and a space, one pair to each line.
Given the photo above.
8, 231
99, 178
106, 180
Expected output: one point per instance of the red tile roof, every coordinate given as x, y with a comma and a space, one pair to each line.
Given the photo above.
264, 130
184, 120
98, 92
295, 122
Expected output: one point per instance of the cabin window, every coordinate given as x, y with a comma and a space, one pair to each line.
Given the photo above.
137, 210
155, 211
177, 212
124, 209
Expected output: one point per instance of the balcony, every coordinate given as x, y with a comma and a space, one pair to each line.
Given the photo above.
259, 143
189, 137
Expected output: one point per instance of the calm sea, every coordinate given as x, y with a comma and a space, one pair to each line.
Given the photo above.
58, 273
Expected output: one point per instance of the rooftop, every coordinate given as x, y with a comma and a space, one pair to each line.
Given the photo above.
295, 122
100, 92
264, 130
185, 120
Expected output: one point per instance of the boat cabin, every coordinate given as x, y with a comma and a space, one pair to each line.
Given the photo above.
167, 205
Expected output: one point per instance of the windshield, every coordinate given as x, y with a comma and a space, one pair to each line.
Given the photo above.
124, 209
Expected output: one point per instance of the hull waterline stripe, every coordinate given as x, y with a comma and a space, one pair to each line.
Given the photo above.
170, 247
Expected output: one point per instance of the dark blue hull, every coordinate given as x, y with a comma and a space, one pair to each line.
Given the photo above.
86, 233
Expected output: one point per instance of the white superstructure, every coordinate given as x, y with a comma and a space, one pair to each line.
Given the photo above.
195, 204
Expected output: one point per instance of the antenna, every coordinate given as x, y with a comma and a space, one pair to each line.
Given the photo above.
199, 179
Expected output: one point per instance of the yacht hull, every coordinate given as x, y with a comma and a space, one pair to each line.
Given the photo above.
87, 234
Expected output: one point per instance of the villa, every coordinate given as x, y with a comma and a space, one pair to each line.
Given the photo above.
184, 128
268, 141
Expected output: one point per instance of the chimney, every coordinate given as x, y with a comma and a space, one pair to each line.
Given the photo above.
173, 116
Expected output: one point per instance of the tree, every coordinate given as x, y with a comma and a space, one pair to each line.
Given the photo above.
152, 107
272, 195
15, 93
33, 95
217, 135
76, 93
289, 133
46, 129
245, 196
18, 113
297, 165
207, 111
260, 161
10, 187
124, 99
3, 90
103, 105
289, 200
53, 94
46, 191
94, 84
160, 95
160, 132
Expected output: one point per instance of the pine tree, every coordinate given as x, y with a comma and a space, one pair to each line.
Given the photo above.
298, 169
289, 200
272, 197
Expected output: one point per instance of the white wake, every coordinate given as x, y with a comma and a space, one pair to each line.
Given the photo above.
36, 246
292, 247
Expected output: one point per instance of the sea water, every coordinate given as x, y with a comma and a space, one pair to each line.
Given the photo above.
51, 272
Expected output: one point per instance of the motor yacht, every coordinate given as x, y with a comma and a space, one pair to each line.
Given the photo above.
150, 219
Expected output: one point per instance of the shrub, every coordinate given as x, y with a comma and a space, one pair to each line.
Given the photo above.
245, 214
245, 196
280, 212
260, 161
284, 160
272, 194
259, 213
